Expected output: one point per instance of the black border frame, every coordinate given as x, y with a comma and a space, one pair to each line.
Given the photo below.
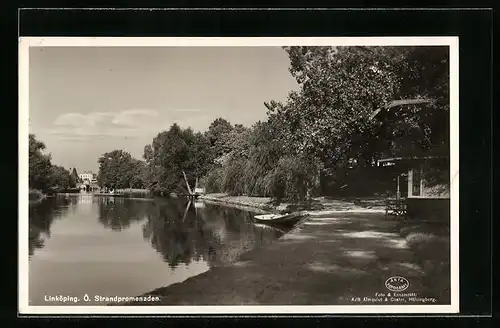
474, 27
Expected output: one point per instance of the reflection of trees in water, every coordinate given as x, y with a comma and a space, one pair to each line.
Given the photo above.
242, 234
118, 213
170, 232
41, 217
215, 234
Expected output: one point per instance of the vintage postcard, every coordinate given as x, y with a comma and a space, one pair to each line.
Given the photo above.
238, 175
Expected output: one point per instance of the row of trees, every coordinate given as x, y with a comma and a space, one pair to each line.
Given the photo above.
45, 176
316, 140
256, 162
225, 158
323, 137
171, 153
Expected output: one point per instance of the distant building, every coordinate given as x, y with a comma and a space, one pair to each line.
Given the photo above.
87, 177
89, 181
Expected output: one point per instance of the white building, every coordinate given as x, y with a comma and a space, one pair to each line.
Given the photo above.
87, 177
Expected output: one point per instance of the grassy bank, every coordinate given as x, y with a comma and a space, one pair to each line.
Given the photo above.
430, 243
323, 261
317, 206
254, 204
341, 251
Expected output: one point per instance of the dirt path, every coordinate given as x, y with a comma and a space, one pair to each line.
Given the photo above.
332, 260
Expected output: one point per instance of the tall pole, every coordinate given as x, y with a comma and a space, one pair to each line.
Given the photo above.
398, 193
185, 179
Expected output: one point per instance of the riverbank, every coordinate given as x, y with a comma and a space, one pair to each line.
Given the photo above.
251, 204
430, 244
320, 206
340, 259
341, 255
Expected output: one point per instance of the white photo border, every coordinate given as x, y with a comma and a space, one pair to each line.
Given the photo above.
26, 43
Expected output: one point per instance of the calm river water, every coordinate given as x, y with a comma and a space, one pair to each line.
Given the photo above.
105, 246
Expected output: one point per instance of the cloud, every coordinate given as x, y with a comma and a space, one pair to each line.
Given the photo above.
98, 125
131, 123
82, 132
135, 118
78, 119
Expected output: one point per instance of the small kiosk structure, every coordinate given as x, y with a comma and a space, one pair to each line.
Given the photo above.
427, 172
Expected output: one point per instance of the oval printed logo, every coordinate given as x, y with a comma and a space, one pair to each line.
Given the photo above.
397, 284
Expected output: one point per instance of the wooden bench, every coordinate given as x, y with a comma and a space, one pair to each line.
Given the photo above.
396, 207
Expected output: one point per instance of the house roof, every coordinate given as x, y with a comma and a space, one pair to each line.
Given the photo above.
402, 102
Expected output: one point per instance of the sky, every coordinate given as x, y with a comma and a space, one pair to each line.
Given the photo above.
85, 101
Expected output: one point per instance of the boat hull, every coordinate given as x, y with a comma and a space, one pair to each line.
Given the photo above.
275, 219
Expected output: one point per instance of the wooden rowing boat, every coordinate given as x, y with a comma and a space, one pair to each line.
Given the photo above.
279, 219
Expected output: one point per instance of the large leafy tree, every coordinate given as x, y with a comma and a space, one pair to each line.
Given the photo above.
166, 156
423, 128
39, 165
340, 87
116, 169
139, 176
217, 135
201, 154
236, 141
60, 178
175, 151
